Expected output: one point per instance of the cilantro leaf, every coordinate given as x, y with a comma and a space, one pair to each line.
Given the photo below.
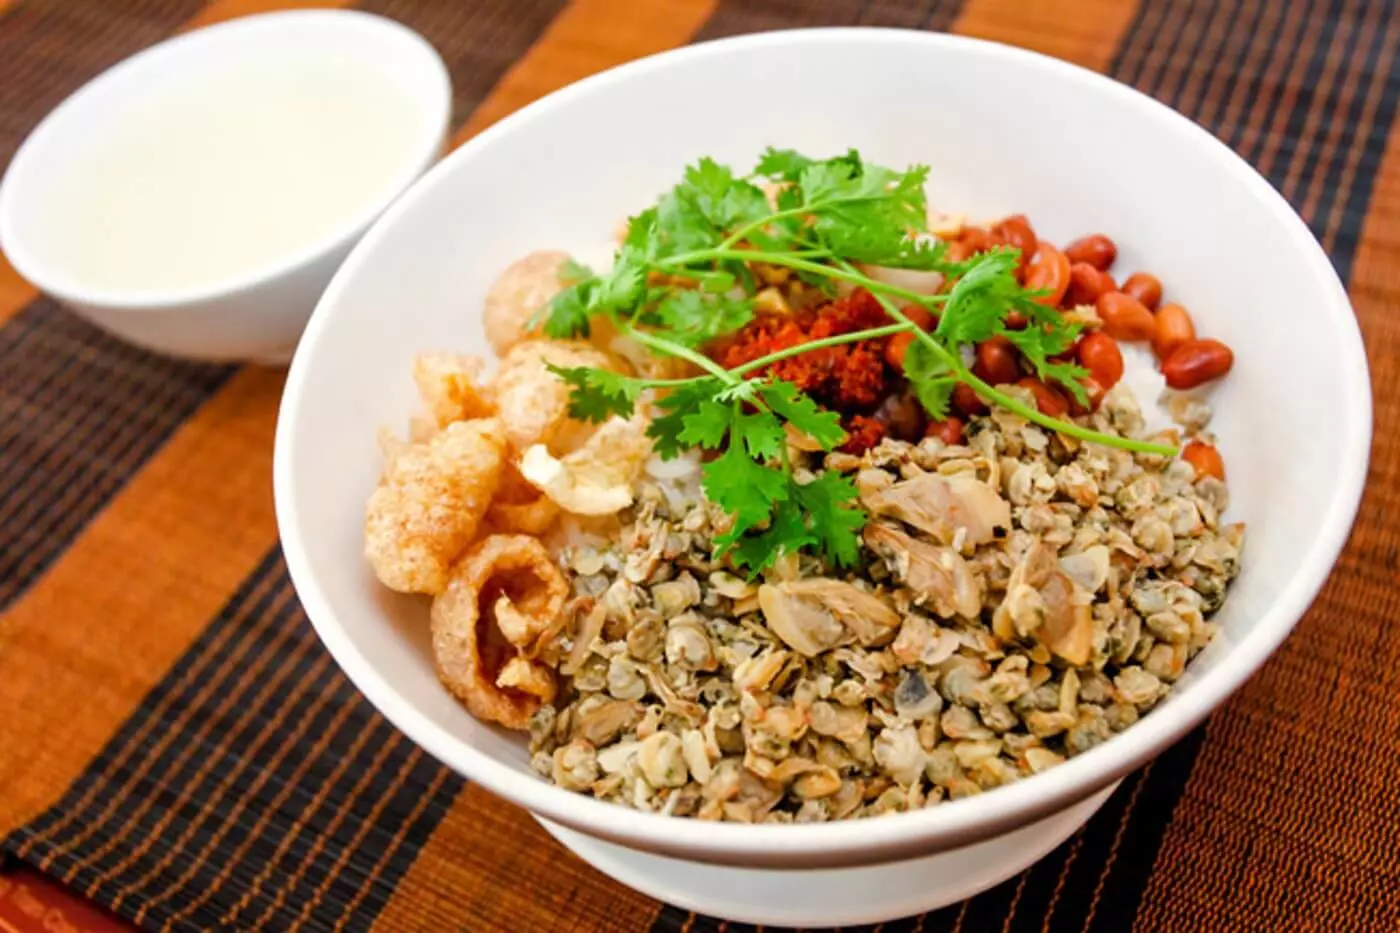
781, 164
744, 488
665, 430
931, 379
641, 230
980, 299
692, 318
706, 425
871, 214
1039, 342
622, 286
724, 200
745, 391
599, 394
699, 212
821, 425
761, 434
573, 271
787, 165
567, 314
786, 533
830, 503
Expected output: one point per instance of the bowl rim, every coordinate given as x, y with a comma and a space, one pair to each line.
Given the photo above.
436, 91
952, 823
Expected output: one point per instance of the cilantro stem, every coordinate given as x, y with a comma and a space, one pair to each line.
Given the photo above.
738, 235
788, 260
670, 348
1031, 413
800, 211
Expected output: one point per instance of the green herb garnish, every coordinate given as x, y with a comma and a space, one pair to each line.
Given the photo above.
702, 239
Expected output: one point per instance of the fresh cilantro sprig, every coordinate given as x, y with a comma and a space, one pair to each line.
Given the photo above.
771, 511
685, 276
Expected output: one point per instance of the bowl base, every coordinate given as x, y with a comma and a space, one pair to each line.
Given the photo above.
831, 897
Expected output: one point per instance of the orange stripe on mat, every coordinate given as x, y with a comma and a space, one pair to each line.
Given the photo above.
15, 292
475, 864
588, 36
1086, 32
160, 561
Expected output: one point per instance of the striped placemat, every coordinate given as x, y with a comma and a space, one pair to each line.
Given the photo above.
176, 747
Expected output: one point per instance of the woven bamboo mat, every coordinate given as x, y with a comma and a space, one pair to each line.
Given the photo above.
176, 747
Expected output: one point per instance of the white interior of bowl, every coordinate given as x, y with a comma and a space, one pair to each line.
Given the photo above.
37, 203
1004, 131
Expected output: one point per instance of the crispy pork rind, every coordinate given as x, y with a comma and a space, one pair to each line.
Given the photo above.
600, 477
430, 502
533, 402
519, 508
521, 290
452, 387
495, 629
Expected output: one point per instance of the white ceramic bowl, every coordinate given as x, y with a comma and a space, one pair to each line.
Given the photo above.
1294, 416
259, 312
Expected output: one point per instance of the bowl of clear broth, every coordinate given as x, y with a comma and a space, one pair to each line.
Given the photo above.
196, 198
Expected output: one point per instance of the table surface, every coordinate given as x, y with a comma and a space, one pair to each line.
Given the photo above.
177, 750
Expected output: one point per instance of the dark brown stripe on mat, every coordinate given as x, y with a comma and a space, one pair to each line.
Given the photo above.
47, 50
244, 748
735, 17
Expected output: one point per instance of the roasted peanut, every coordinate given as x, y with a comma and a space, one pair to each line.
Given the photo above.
949, 430
1086, 284
968, 242
1095, 390
1015, 231
902, 416
1050, 401
1174, 328
1204, 458
1197, 362
997, 361
1145, 287
1099, 353
920, 316
967, 401
1050, 271
1124, 317
1096, 249
1095, 393
895, 349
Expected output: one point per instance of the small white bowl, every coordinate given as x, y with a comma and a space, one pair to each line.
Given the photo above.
257, 311
1294, 417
